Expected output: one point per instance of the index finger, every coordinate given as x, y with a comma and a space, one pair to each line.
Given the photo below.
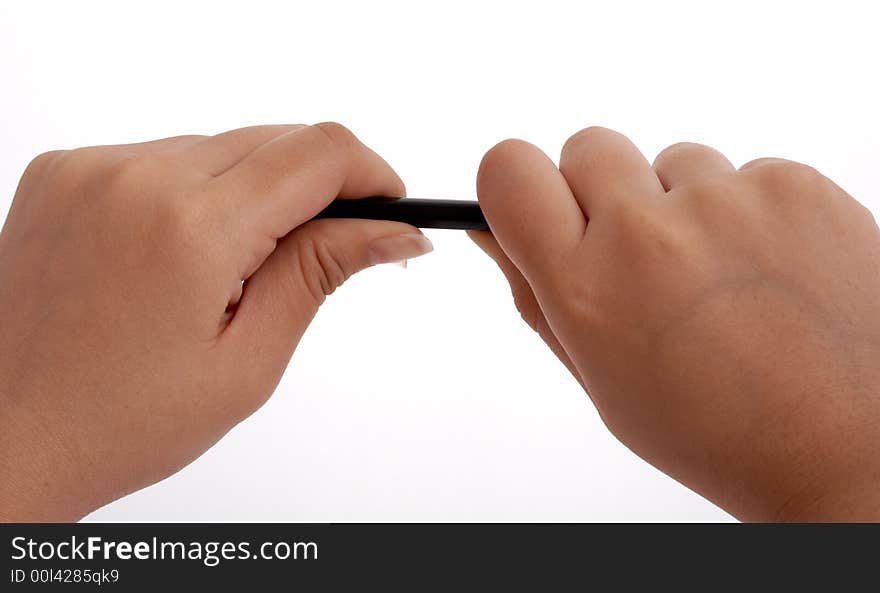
529, 207
288, 180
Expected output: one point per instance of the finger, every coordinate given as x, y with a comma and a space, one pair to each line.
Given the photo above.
284, 294
114, 152
217, 154
762, 162
288, 180
604, 168
172, 143
523, 297
687, 162
529, 207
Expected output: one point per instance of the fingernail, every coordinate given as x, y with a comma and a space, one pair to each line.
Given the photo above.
399, 247
401, 263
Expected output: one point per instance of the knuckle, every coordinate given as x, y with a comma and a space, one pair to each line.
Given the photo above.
585, 137
756, 163
122, 173
67, 172
681, 150
42, 162
592, 149
805, 174
505, 150
498, 160
178, 219
324, 270
336, 134
129, 171
89, 157
783, 173
787, 180
797, 171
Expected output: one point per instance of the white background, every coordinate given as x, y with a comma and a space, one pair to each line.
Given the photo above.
418, 394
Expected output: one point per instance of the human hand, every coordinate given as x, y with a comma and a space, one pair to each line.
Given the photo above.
151, 296
725, 323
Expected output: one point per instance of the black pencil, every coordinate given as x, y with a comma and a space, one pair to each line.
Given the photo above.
428, 214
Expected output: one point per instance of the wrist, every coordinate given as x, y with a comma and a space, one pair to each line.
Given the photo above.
840, 469
39, 477
856, 499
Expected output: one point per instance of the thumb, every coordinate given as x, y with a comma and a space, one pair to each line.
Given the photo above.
281, 298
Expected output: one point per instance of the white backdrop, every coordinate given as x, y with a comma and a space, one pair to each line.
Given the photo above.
418, 394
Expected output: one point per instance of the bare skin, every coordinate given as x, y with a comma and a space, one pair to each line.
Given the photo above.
725, 323
134, 282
